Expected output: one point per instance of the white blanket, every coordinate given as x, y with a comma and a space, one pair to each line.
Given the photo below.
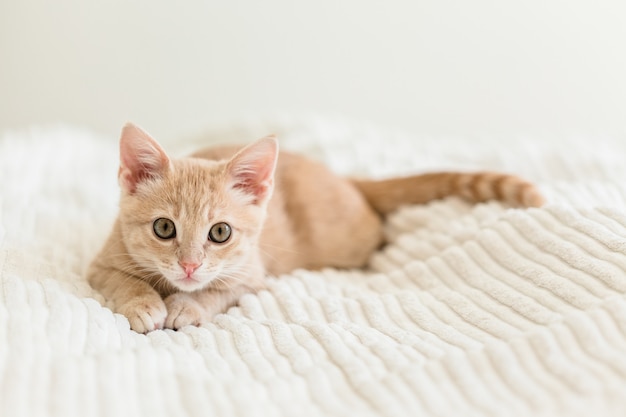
469, 311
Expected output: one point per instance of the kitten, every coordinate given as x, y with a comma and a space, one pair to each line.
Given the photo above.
194, 234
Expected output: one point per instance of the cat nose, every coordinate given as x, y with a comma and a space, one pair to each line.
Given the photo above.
189, 267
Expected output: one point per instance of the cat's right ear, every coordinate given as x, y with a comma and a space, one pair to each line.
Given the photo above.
252, 169
141, 158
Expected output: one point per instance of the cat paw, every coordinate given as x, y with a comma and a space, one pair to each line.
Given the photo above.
182, 310
144, 316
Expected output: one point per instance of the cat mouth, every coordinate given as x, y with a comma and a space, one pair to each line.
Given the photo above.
192, 282
188, 279
188, 284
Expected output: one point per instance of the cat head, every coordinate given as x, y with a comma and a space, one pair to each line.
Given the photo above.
193, 222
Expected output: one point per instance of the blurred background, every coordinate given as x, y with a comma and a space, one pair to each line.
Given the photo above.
436, 67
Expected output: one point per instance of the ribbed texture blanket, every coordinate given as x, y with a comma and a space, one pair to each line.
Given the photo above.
470, 310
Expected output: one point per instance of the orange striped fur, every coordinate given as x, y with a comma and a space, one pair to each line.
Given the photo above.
387, 195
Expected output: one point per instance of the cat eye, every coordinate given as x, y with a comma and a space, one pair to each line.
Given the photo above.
164, 228
220, 232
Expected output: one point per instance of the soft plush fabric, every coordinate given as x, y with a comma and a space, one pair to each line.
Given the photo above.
469, 311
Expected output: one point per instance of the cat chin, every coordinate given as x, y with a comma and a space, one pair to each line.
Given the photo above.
188, 284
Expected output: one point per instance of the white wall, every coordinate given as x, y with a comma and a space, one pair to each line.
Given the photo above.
436, 67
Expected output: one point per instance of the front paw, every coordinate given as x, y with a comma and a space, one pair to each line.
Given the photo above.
182, 310
144, 315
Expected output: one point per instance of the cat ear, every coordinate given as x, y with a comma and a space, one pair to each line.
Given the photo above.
252, 169
141, 158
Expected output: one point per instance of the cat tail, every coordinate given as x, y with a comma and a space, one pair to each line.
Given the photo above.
388, 195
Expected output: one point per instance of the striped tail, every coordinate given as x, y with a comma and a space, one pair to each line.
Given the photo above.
388, 195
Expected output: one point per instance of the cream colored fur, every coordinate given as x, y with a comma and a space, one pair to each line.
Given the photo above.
285, 212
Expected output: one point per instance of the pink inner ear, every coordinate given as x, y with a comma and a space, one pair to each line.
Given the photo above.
141, 158
252, 168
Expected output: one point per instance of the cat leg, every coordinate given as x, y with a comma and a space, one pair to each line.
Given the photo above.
145, 313
182, 310
196, 308
130, 296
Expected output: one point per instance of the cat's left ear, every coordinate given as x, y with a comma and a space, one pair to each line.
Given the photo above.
252, 169
141, 158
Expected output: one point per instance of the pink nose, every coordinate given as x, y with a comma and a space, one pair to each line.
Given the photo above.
189, 267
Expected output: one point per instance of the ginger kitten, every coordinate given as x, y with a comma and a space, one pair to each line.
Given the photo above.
194, 234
